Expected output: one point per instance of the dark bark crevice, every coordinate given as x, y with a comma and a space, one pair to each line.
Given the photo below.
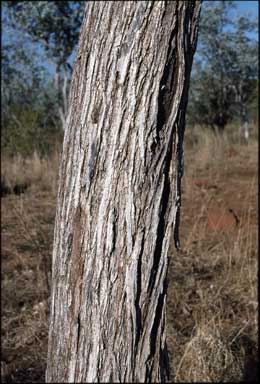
167, 85
78, 330
163, 219
138, 294
153, 338
164, 364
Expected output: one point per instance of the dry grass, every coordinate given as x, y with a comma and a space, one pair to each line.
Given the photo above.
27, 238
33, 171
212, 301
212, 294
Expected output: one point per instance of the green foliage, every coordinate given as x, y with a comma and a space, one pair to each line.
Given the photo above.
29, 117
52, 24
33, 97
253, 102
225, 68
22, 79
27, 130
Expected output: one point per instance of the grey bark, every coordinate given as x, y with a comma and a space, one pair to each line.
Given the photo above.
119, 192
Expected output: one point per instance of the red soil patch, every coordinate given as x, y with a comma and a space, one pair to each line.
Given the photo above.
221, 219
231, 152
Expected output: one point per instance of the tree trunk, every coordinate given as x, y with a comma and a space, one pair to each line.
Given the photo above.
61, 87
119, 191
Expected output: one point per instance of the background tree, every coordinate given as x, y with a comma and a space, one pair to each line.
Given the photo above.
29, 120
54, 27
119, 191
226, 66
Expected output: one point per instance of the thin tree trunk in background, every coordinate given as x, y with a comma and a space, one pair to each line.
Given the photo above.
119, 191
61, 87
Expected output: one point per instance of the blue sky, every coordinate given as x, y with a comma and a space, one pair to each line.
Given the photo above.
248, 6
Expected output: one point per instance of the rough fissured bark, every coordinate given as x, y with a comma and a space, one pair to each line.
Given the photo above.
119, 191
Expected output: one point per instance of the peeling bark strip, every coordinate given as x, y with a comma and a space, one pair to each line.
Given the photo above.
119, 191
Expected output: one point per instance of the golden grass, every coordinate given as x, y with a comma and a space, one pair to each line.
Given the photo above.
212, 296
32, 171
213, 359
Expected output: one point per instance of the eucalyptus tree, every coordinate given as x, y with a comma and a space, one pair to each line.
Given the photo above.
21, 77
54, 27
23, 100
226, 66
119, 191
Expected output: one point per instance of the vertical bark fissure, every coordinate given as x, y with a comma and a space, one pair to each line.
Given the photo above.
138, 294
77, 275
78, 335
167, 83
188, 38
161, 225
154, 335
